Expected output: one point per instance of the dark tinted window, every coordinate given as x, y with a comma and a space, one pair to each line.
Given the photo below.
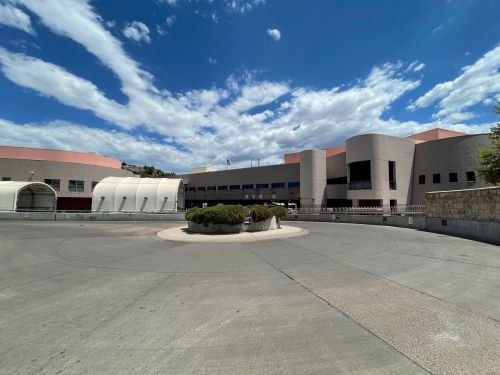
234, 187
262, 186
453, 177
211, 188
421, 179
56, 184
6, 179
222, 187
471, 176
192, 189
337, 181
247, 186
201, 188
294, 184
277, 185
76, 186
94, 184
436, 178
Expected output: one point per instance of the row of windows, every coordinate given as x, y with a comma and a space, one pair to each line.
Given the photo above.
74, 186
274, 185
452, 177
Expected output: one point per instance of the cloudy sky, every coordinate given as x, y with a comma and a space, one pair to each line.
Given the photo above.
183, 83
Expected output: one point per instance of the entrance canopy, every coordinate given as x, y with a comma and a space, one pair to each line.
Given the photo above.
26, 196
133, 194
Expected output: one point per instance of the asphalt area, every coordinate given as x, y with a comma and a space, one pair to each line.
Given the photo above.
115, 298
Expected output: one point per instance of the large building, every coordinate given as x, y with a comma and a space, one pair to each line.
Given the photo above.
370, 170
73, 175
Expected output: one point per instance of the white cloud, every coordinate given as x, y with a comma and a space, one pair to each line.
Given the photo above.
161, 31
419, 67
137, 31
476, 83
14, 17
170, 20
274, 33
211, 60
171, 2
77, 20
243, 6
52, 80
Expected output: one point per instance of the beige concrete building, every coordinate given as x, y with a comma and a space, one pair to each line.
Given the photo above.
73, 175
371, 170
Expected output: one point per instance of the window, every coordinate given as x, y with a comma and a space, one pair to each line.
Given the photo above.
262, 186
278, 185
200, 188
247, 187
294, 184
222, 187
392, 175
6, 179
471, 176
55, 184
421, 179
94, 184
234, 187
337, 181
436, 178
76, 186
192, 188
211, 188
453, 177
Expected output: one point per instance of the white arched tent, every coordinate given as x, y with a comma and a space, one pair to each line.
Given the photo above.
27, 196
133, 194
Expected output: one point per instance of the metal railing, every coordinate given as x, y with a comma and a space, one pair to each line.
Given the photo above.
375, 210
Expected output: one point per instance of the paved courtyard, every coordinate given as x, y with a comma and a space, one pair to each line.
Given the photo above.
114, 298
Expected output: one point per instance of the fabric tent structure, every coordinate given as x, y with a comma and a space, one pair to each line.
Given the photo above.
27, 196
133, 194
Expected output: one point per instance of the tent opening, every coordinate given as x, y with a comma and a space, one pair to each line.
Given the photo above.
36, 197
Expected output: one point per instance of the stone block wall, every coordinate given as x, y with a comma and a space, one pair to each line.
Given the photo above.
470, 205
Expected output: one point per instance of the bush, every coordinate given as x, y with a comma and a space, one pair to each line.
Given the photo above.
259, 213
225, 214
279, 211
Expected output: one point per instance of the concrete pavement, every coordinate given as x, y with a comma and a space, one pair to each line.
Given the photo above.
113, 298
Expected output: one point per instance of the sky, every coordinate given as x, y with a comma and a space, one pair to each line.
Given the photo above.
187, 83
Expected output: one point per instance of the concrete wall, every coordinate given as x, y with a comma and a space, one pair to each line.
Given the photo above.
459, 154
380, 149
312, 178
64, 216
19, 170
336, 167
416, 222
473, 213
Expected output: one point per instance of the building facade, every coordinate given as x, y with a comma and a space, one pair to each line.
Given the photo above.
371, 170
73, 175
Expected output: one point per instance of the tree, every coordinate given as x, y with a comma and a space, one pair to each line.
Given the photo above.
490, 156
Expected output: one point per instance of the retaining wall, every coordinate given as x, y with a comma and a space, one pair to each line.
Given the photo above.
471, 213
416, 222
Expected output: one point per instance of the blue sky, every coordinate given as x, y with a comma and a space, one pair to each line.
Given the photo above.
183, 83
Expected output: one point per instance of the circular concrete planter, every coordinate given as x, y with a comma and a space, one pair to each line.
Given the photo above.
259, 226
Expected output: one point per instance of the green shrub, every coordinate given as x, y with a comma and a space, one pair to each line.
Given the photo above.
259, 213
279, 211
224, 214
